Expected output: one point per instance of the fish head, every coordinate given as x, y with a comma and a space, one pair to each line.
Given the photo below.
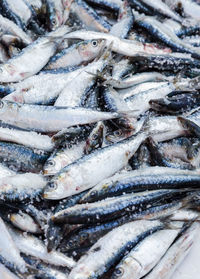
8, 108
17, 96
51, 167
119, 135
91, 49
52, 191
58, 187
55, 20
126, 267
118, 273
7, 71
55, 164
2, 107
95, 140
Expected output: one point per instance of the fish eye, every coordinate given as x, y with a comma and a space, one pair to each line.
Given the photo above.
52, 185
1, 104
119, 272
70, 243
84, 235
94, 43
53, 21
51, 163
118, 133
93, 193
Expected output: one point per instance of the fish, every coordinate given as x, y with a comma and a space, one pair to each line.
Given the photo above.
174, 255
9, 26
10, 257
190, 8
19, 13
19, 157
112, 208
99, 137
63, 157
89, 17
124, 22
113, 102
134, 80
141, 100
22, 66
44, 270
39, 87
73, 97
25, 137
162, 8
95, 139
175, 105
25, 223
142, 258
80, 53
114, 5
137, 180
176, 61
42, 118
165, 34
86, 235
109, 252
121, 46
33, 246
55, 13
5, 273
19, 187
73, 179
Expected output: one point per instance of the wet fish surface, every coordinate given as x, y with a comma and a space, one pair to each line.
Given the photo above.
99, 137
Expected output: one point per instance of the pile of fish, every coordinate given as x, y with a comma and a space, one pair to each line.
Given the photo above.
99, 137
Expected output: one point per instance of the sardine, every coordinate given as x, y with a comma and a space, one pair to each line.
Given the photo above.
49, 118
145, 255
77, 54
74, 179
110, 208
24, 222
10, 255
109, 249
33, 246
174, 256
143, 179
21, 186
121, 46
23, 65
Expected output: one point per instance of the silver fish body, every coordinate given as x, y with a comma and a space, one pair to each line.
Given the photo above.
175, 255
76, 177
33, 246
23, 65
145, 255
108, 249
49, 118
10, 254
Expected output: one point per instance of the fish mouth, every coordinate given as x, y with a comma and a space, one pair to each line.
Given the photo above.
45, 172
12, 218
45, 196
49, 193
48, 196
53, 218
